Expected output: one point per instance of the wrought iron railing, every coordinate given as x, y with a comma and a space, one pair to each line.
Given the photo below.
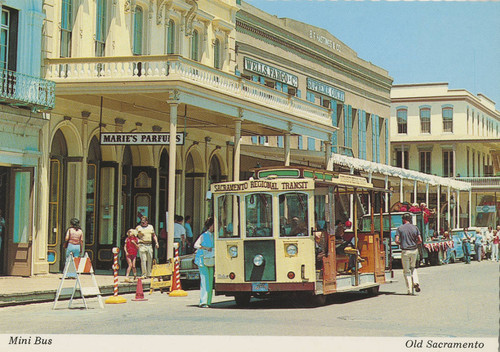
24, 90
482, 182
174, 67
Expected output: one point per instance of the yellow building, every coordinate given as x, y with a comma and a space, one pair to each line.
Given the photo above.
450, 133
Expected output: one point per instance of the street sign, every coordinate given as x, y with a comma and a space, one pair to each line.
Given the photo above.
140, 138
485, 209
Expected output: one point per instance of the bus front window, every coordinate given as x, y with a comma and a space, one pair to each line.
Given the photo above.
293, 214
227, 220
259, 215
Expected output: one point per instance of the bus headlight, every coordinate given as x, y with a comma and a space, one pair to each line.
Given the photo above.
291, 250
258, 260
233, 251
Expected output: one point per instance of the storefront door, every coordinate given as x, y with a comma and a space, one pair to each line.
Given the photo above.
19, 238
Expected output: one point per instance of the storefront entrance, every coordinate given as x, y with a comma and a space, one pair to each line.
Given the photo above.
16, 204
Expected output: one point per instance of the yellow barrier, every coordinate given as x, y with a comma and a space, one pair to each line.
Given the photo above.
161, 277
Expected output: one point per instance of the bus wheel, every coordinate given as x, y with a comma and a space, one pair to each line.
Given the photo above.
242, 299
373, 291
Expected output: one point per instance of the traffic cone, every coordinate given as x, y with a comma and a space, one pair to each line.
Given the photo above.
175, 289
139, 293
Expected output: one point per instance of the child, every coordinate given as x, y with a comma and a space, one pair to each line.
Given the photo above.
131, 246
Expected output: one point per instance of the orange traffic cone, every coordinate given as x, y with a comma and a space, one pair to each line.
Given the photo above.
139, 293
175, 289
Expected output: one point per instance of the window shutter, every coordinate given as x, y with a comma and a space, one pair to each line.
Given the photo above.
280, 141
311, 143
300, 142
299, 93
278, 86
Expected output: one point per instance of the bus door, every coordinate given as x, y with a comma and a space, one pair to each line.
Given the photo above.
323, 212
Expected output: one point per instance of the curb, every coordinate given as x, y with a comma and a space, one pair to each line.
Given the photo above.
50, 295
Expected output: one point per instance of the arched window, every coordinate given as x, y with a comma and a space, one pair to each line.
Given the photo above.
100, 31
217, 55
66, 27
195, 46
171, 37
138, 31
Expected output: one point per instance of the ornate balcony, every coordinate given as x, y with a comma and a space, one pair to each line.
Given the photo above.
27, 91
154, 68
482, 183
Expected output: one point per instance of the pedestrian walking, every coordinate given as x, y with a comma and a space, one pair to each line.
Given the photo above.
466, 239
73, 242
131, 248
146, 234
494, 245
408, 238
478, 247
205, 259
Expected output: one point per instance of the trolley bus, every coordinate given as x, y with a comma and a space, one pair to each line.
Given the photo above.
269, 229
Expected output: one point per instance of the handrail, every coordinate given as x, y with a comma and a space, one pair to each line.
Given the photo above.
175, 67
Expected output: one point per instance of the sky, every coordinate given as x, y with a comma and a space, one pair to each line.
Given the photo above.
457, 42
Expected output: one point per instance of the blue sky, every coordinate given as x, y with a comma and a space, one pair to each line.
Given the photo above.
417, 42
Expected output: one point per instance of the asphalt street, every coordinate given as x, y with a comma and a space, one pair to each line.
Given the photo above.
457, 300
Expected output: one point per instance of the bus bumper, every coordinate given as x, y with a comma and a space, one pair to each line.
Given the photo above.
231, 289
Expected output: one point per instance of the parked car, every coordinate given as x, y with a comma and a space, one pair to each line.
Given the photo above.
457, 253
188, 270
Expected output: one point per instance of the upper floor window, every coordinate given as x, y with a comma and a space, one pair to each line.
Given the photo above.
448, 156
66, 27
100, 31
8, 38
425, 120
402, 115
447, 119
138, 30
171, 37
425, 161
195, 42
217, 56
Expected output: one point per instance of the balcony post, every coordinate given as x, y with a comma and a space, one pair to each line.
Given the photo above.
458, 207
449, 209
386, 194
173, 102
328, 156
415, 189
287, 149
470, 207
438, 207
401, 196
427, 194
236, 170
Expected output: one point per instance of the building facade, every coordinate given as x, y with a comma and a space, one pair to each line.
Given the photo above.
24, 100
450, 133
149, 67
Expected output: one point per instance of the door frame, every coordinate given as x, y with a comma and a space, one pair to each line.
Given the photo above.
16, 266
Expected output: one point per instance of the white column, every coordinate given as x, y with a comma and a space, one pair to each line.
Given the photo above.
448, 215
237, 150
328, 156
470, 207
458, 208
401, 197
427, 195
85, 152
387, 194
236, 172
171, 176
438, 210
351, 202
415, 191
287, 149
370, 175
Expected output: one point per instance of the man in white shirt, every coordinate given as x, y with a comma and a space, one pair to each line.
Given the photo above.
179, 229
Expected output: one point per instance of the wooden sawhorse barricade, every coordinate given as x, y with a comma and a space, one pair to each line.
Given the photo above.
77, 267
161, 277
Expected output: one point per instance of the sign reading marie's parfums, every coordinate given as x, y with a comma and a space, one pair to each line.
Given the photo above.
136, 138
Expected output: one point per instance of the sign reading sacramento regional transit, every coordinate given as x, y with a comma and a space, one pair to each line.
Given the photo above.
138, 138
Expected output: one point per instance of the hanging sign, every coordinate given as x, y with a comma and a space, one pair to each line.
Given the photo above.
139, 138
485, 209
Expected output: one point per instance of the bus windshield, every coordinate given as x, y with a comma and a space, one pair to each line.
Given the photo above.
259, 215
396, 221
293, 214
